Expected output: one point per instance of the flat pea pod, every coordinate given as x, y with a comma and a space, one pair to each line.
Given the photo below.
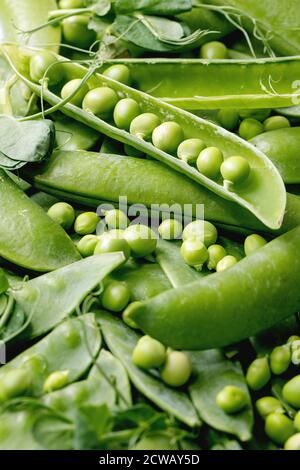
121, 341
71, 346
175, 319
202, 84
147, 182
282, 147
213, 372
267, 205
30, 238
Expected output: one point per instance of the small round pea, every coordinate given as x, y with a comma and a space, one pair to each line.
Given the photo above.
115, 297
14, 383
112, 244
232, 399
132, 152
226, 263
258, 373
42, 64
253, 243
63, 214
189, 150
228, 118
141, 239
100, 101
167, 136
120, 73
86, 223
70, 87
202, 230
297, 421
235, 170
258, 114
116, 219
56, 380
148, 353
87, 244
280, 359
215, 254
279, 428
268, 405
293, 338
291, 392
214, 50
126, 315
250, 128
194, 253
293, 443
76, 32
209, 162
276, 122
170, 229
125, 111
143, 125
177, 369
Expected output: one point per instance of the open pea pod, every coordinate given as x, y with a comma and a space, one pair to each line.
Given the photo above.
263, 193
121, 341
28, 237
194, 84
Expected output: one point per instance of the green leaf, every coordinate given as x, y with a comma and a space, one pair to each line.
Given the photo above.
91, 423
154, 7
53, 432
102, 7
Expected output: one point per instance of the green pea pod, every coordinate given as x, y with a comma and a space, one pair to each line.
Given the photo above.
268, 205
214, 372
49, 299
174, 317
71, 135
201, 84
71, 346
147, 182
28, 237
121, 341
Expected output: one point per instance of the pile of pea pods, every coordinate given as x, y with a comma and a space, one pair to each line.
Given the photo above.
170, 321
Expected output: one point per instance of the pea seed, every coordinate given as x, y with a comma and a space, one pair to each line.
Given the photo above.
167, 137
253, 243
115, 297
148, 353
87, 244
201, 230
226, 263
297, 421
141, 239
14, 383
276, 122
56, 380
258, 373
143, 125
100, 101
86, 223
215, 254
250, 128
235, 170
70, 87
293, 443
194, 253
125, 111
177, 369
209, 162
116, 219
291, 392
189, 150
268, 405
232, 399
170, 229
213, 50
119, 72
63, 214
228, 118
280, 359
279, 428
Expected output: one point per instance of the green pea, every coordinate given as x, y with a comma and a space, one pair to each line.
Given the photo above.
296, 357
189, 150
120, 73
71, 4
76, 32
115, 232
215, 254
112, 244
170, 229
36, 365
141, 239
167, 136
100, 101
115, 297
276, 122
235, 170
63, 214
125, 111
132, 152
14, 383
293, 338
280, 359
232, 399
194, 253
177, 369
70, 334
126, 315
45, 65
253, 243
209, 162
250, 128
148, 353
293, 443
87, 244
202, 230
258, 114
228, 118
258, 373
291, 392
226, 263
143, 125
214, 50
297, 421
279, 428
56, 380
267, 405
86, 223
70, 87
116, 219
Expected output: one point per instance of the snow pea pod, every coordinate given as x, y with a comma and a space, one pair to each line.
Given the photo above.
213, 311
28, 237
263, 194
282, 147
194, 84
